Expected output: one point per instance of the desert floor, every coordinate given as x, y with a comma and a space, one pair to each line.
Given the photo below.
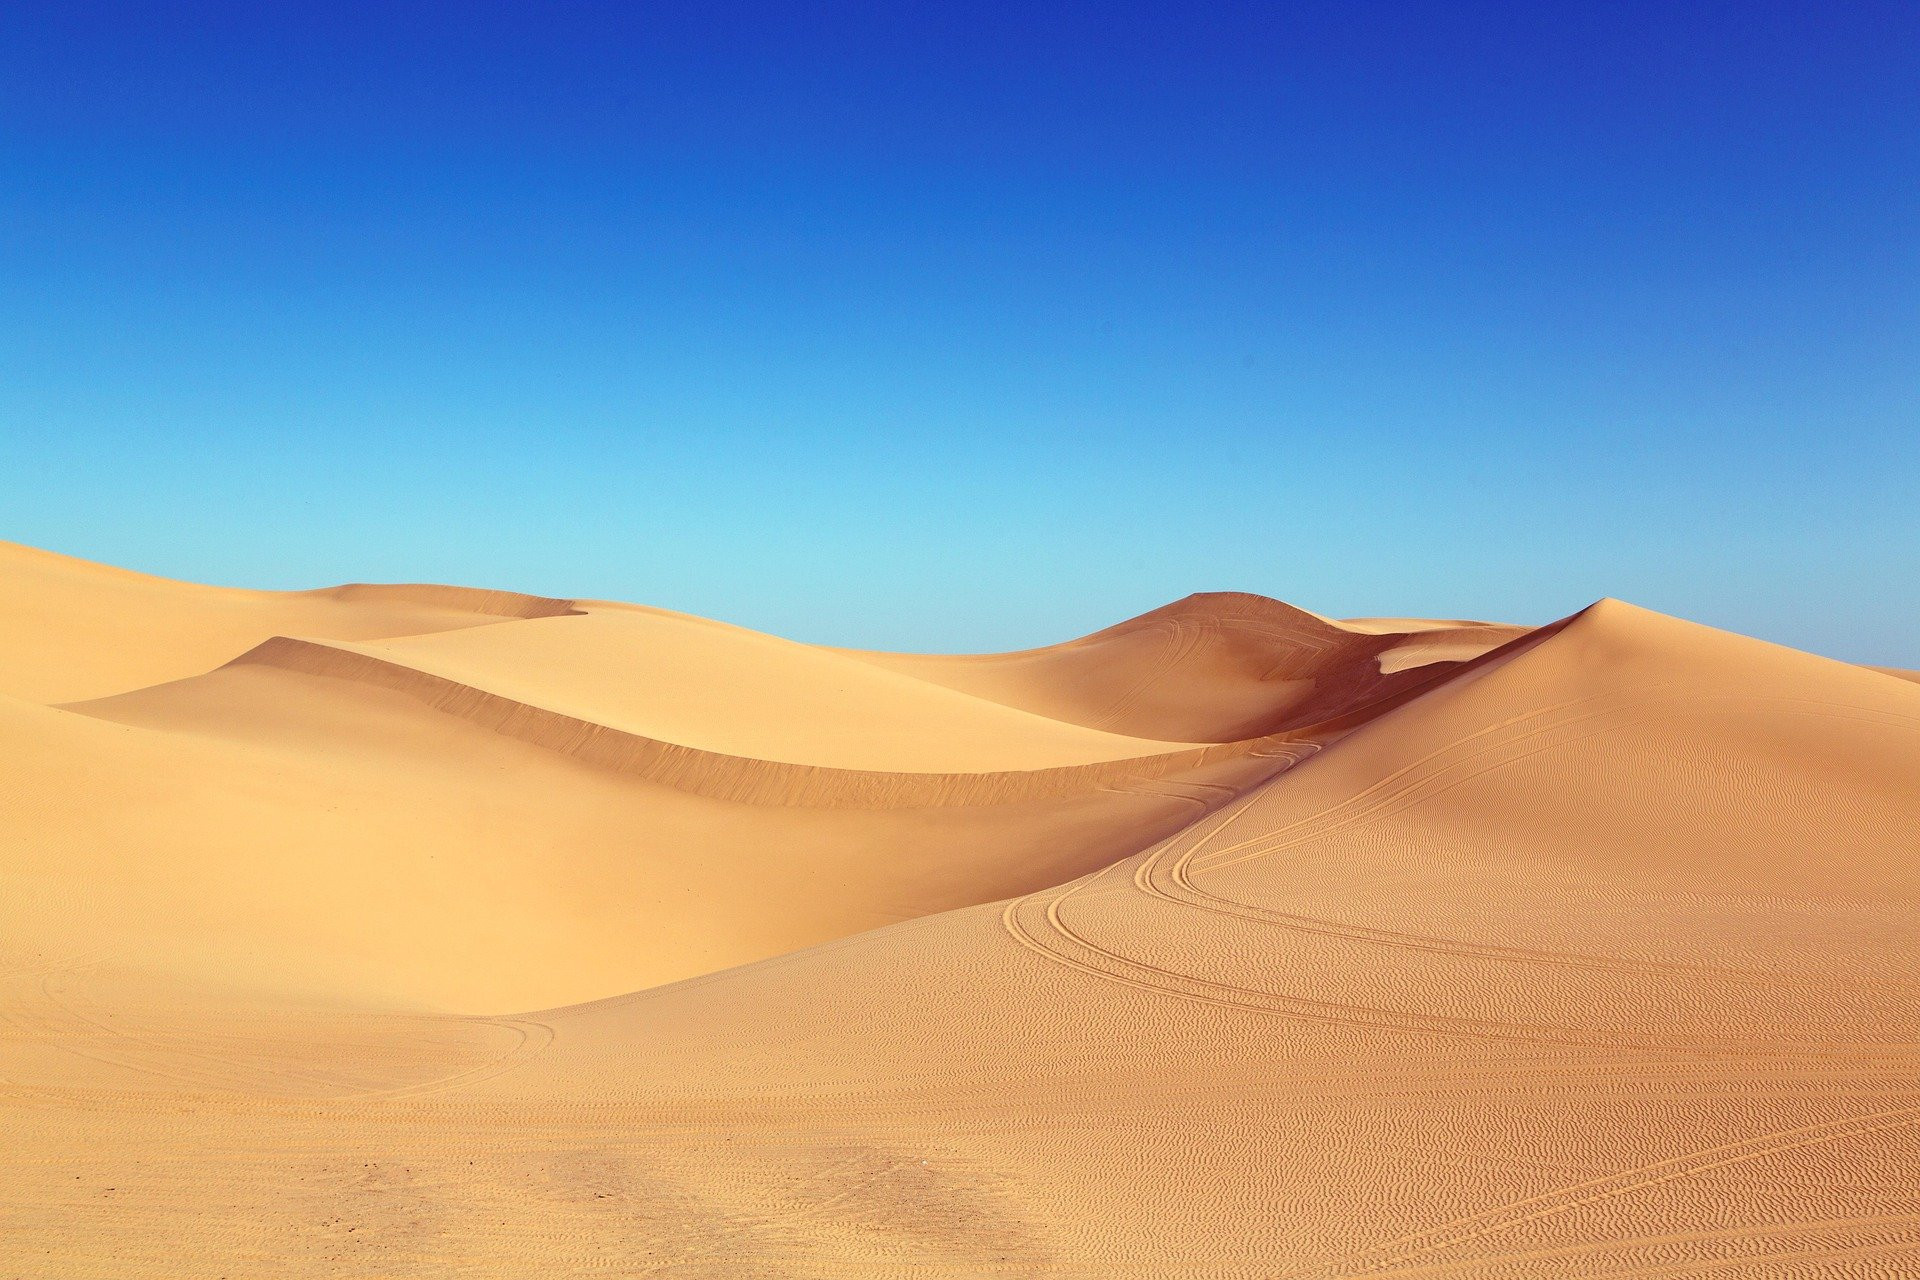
415, 930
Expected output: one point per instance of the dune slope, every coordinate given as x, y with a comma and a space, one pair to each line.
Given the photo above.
1493, 987
737, 692
71, 629
346, 836
1215, 667
519, 811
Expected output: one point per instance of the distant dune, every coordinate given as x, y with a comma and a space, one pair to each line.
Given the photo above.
1215, 668
426, 931
75, 630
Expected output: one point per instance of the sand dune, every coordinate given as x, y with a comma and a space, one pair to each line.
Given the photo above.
347, 838
71, 629
1213, 668
1584, 951
737, 692
587, 797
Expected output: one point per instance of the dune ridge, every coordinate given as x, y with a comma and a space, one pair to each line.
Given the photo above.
1214, 667
737, 692
76, 630
723, 777
494, 604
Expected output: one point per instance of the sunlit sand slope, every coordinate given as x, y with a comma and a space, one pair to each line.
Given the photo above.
729, 690
71, 629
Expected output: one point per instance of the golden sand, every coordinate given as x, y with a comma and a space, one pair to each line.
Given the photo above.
388, 931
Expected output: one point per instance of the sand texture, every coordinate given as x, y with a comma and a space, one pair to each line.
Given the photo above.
424, 931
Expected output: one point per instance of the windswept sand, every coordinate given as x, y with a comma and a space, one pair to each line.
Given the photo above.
417, 931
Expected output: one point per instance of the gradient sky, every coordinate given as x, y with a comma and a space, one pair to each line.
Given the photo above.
973, 327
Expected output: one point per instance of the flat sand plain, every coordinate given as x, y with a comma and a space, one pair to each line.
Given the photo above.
426, 931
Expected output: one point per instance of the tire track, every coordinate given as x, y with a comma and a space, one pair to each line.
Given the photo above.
1089, 957
1182, 639
1176, 883
1362, 805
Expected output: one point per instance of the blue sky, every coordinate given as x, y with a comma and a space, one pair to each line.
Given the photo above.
982, 327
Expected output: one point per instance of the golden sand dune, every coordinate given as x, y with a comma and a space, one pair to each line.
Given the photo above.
1588, 951
588, 798
358, 838
70, 629
1213, 668
737, 692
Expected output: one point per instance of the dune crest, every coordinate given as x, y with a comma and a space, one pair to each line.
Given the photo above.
72, 630
737, 779
492, 604
1214, 667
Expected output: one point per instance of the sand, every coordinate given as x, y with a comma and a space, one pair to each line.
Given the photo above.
420, 931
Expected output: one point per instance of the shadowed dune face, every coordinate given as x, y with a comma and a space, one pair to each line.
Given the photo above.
1218, 667
1229, 941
